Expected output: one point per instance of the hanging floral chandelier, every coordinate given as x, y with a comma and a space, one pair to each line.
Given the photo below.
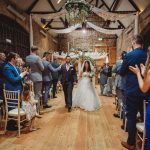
78, 10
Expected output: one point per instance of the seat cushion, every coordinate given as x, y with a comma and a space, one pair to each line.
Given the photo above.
14, 112
140, 126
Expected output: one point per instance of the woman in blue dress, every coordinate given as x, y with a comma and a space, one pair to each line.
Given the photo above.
144, 85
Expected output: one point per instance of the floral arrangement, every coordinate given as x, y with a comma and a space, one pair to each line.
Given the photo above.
91, 74
78, 10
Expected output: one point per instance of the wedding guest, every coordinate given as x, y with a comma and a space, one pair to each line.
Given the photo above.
37, 67
109, 72
55, 77
119, 84
20, 63
132, 90
103, 77
144, 85
29, 106
13, 75
47, 76
2, 63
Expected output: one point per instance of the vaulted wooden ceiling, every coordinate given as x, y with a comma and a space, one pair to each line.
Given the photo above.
52, 6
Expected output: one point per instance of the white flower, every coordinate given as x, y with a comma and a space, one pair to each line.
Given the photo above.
91, 74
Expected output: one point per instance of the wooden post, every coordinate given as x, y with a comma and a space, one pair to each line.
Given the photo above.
31, 33
136, 28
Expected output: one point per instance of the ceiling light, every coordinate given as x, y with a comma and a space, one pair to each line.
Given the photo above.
84, 31
58, 1
100, 39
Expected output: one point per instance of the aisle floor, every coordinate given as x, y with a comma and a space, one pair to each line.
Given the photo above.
78, 130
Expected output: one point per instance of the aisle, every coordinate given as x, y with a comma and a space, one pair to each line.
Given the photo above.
77, 130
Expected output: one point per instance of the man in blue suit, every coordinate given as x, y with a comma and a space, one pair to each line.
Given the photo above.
132, 90
12, 74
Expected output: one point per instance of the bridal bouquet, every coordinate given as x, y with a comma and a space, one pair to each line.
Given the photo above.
91, 74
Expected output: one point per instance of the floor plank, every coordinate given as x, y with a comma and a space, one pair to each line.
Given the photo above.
78, 130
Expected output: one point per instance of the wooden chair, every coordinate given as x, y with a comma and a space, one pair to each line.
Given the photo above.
12, 100
2, 113
141, 132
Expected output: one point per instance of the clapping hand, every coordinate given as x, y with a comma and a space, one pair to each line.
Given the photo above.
135, 69
24, 73
142, 69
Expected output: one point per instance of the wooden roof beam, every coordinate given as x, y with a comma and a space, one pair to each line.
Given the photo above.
97, 1
32, 6
51, 4
134, 5
115, 5
49, 23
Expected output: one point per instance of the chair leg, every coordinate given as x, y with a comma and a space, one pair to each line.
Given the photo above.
19, 126
120, 114
125, 125
143, 142
6, 121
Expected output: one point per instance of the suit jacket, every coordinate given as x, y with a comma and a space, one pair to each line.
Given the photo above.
71, 74
55, 75
119, 80
135, 57
36, 66
13, 80
103, 76
48, 68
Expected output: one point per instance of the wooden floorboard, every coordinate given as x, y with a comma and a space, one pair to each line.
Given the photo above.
78, 130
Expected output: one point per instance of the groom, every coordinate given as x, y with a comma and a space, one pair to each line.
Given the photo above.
68, 78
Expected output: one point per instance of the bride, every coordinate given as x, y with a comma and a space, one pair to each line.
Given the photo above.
86, 96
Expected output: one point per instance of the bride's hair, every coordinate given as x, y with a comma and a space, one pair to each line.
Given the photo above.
89, 66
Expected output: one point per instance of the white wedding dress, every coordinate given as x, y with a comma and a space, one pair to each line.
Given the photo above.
85, 95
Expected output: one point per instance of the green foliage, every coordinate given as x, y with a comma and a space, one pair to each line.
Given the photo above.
78, 10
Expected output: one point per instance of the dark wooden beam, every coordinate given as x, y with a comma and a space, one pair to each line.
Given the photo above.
101, 6
121, 24
124, 12
49, 23
42, 12
134, 5
59, 28
90, 1
31, 6
112, 4
115, 5
97, 1
56, 28
51, 4
65, 22
105, 5
104, 24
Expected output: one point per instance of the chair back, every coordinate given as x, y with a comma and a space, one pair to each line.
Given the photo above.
145, 102
12, 100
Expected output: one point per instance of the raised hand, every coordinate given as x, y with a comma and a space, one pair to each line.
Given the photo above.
135, 69
142, 69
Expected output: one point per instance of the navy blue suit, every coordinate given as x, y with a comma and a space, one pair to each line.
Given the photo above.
132, 90
67, 78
